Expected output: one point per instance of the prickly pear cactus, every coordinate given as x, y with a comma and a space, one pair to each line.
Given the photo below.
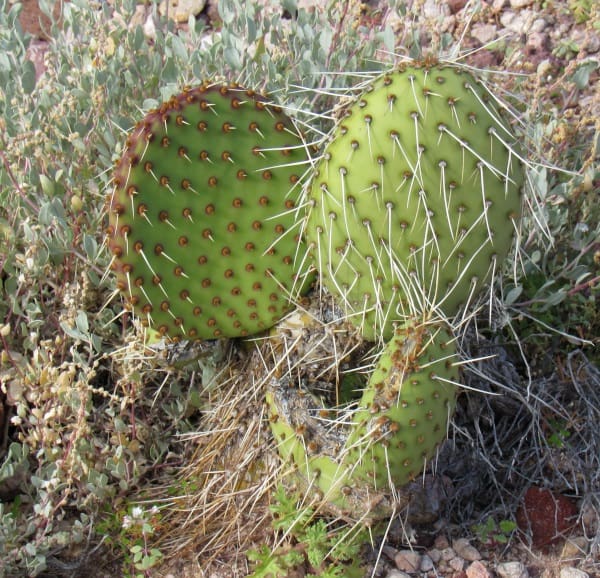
356, 459
416, 198
202, 220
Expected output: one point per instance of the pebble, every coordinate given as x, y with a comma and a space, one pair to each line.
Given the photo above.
434, 9
465, 550
407, 561
456, 5
441, 542
397, 574
518, 4
457, 564
518, 22
537, 41
181, 10
589, 43
477, 570
512, 570
573, 548
570, 572
426, 563
539, 25
447, 554
485, 33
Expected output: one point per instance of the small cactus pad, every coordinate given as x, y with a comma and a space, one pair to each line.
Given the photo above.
406, 407
415, 201
202, 222
358, 460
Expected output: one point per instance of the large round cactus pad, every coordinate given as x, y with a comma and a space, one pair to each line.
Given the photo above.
202, 219
415, 202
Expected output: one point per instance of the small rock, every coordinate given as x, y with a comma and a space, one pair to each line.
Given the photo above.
539, 25
518, 4
407, 561
457, 564
463, 548
518, 22
426, 563
512, 570
456, 5
435, 555
435, 9
181, 10
545, 517
477, 570
575, 548
389, 551
441, 542
507, 18
537, 42
570, 572
585, 41
485, 33
448, 554
397, 574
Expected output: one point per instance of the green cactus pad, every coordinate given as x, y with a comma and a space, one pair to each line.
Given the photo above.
406, 407
358, 461
202, 220
416, 198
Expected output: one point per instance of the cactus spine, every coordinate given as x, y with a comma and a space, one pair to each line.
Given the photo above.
414, 204
202, 220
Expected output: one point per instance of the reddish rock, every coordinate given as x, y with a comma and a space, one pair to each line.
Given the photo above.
546, 517
407, 561
456, 5
441, 542
477, 570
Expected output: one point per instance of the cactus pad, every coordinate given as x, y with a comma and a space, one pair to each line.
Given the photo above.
202, 222
358, 460
406, 407
415, 201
